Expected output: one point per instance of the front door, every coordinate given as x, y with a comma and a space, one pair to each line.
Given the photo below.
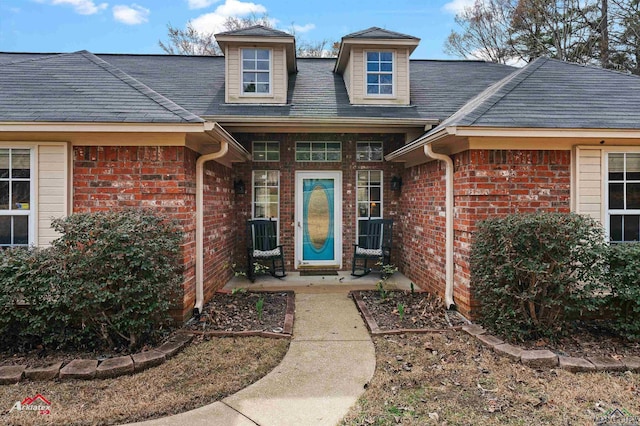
319, 218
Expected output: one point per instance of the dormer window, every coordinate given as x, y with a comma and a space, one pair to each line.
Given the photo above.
379, 73
256, 71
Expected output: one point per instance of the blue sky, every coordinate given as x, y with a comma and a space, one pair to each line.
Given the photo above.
121, 26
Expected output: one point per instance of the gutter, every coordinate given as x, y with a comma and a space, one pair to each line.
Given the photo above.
224, 148
449, 204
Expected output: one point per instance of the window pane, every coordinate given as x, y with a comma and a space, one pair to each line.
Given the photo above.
373, 56
616, 166
386, 56
248, 65
372, 90
263, 77
386, 67
633, 166
263, 88
20, 163
631, 227
306, 146
333, 156
386, 90
272, 210
373, 78
303, 156
374, 177
5, 230
260, 178
20, 194
4, 163
317, 156
373, 67
21, 230
262, 65
633, 195
273, 156
616, 196
259, 156
375, 209
362, 194
375, 193
4, 195
249, 88
363, 209
262, 54
363, 178
248, 53
385, 78
272, 178
615, 228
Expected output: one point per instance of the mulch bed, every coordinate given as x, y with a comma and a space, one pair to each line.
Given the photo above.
422, 311
426, 313
237, 313
588, 339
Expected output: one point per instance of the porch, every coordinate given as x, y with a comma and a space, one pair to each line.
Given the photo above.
342, 282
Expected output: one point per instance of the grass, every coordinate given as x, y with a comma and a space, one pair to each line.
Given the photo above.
204, 372
452, 379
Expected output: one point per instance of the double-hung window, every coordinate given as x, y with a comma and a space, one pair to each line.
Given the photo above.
369, 151
16, 206
369, 189
266, 194
623, 196
379, 73
256, 71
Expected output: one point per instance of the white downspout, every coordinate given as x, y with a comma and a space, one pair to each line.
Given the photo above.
449, 261
224, 148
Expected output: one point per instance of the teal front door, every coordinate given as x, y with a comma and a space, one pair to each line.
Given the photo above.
319, 218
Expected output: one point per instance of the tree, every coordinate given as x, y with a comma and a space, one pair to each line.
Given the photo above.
485, 34
625, 35
189, 41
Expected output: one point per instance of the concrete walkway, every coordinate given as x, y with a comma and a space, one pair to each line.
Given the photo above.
330, 359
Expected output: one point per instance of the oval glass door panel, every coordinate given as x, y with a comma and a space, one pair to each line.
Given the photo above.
318, 220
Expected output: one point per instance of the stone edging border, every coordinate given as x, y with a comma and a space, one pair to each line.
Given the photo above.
531, 358
87, 369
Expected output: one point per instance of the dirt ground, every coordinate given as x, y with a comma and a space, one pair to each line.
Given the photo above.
451, 379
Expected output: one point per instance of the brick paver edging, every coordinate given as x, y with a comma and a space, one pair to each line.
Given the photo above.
531, 358
87, 369
372, 325
287, 330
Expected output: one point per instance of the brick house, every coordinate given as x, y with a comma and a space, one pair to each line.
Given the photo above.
435, 145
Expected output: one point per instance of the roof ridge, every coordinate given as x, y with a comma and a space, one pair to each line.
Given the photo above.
142, 88
40, 58
594, 67
517, 78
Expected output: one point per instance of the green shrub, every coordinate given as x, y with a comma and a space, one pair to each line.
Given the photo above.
108, 281
534, 273
624, 282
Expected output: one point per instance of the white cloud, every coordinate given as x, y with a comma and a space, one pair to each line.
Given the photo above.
83, 7
131, 15
200, 4
214, 22
457, 6
303, 28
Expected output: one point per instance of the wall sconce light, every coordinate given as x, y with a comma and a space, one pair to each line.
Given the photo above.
238, 187
396, 183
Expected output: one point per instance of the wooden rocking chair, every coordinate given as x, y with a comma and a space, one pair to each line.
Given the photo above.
262, 246
374, 244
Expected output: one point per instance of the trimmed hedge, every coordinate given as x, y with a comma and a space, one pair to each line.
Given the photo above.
624, 282
533, 273
107, 282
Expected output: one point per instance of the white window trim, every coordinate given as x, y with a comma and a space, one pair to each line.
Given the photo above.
295, 154
253, 199
33, 179
253, 150
393, 75
369, 143
358, 218
244, 94
607, 211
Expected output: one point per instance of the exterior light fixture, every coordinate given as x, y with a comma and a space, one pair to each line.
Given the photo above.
238, 187
396, 183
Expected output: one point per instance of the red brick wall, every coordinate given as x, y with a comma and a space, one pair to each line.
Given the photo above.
487, 183
162, 179
288, 166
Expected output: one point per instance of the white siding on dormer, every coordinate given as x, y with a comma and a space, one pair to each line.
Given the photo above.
355, 77
279, 77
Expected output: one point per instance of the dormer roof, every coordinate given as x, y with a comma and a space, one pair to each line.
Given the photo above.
373, 37
377, 32
260, 35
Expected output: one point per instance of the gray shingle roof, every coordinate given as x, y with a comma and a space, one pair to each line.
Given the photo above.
438, 88
376, 32
549, 93
256, 31
80, 87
